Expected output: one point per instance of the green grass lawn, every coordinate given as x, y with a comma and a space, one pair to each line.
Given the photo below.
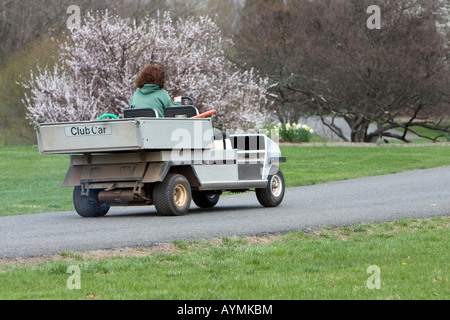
31, 183
411, 255
313, 165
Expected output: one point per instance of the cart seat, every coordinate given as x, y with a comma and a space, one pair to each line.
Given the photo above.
140, 113
180, 112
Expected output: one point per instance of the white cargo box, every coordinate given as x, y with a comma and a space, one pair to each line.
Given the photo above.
124, 135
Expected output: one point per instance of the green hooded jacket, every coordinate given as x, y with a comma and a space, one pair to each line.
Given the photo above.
152, 96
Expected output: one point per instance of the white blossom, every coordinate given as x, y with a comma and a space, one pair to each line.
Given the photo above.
99, 62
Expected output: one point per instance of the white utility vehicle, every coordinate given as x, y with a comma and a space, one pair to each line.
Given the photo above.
166, 162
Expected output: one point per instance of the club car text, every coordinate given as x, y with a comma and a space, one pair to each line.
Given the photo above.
92, 130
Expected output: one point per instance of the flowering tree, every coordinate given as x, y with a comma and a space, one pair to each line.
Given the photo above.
100, 61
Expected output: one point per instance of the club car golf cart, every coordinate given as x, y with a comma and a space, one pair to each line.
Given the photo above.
142, 159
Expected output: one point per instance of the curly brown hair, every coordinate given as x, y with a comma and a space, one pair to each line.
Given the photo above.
151, 74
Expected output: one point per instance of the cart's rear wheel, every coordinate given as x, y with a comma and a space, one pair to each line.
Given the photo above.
89, 206
205, 199
172, 197
272, 195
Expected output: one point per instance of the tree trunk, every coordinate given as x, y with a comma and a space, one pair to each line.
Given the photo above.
359, 127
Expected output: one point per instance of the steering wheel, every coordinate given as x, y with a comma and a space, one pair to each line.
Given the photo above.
202, 115
188, 98
108, 115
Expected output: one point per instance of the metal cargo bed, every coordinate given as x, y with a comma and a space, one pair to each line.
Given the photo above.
124, 135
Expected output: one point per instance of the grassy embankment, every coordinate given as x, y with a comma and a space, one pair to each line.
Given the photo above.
411, 257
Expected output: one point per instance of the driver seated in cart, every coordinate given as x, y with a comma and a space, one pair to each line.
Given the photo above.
150, 92
151, 95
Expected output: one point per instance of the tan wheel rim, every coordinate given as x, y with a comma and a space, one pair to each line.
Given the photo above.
276, 186
180, 195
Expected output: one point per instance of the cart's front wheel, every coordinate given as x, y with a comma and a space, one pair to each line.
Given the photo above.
172, 197
89, 206
272, 195
205, 199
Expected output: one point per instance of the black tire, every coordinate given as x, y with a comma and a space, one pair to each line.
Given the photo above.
172, 197
273, 194
89, 206
205, 199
